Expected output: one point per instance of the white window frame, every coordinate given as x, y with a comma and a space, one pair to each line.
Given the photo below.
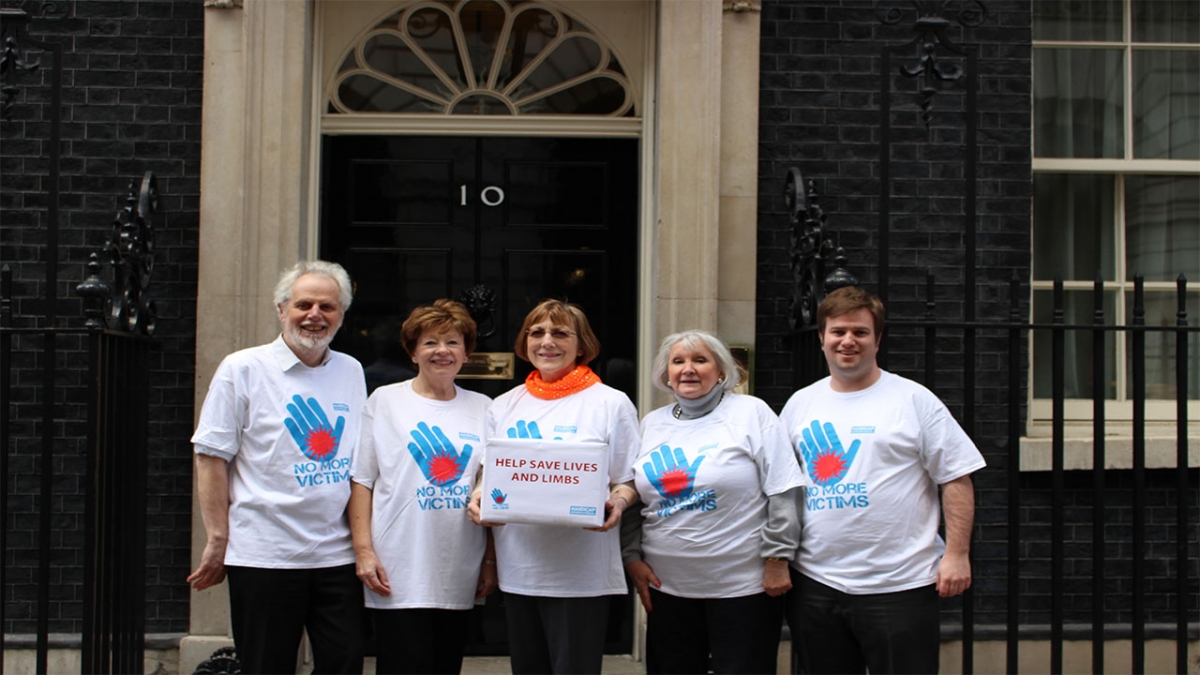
1078, 413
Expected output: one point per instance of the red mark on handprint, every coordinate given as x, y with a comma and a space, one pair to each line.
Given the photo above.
443, 469
674, 482
827, 466
670, 472
321, 444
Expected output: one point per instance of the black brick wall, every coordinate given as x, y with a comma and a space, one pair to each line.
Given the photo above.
820, 111
131, 103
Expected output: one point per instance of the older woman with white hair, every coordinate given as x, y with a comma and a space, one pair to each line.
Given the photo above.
721, 490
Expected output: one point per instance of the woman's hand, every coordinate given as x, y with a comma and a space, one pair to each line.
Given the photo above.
371, 573
488, 579
643, 576
776, 578
614, 506
475, 511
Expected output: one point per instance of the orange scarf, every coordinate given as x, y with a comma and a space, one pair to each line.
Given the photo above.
573, 382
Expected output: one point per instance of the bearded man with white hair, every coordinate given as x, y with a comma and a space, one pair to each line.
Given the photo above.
273, 448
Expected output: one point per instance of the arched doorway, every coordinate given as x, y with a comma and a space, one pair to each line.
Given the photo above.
484, 148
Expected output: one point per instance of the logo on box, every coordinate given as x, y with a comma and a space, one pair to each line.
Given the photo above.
583, 510
499, 500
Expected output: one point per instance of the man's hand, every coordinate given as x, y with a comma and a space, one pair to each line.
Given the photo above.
311, 430
643, 577
371, 573
958, 508
953, 574
212, 489
670, 472
776, 578
825, 459
436, 455
211, 570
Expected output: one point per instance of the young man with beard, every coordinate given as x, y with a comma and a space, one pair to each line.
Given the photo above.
273, 449
876, 447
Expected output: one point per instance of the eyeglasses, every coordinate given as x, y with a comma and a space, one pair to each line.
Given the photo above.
555, 333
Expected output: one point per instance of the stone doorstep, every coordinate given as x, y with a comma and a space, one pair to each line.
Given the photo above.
167, 652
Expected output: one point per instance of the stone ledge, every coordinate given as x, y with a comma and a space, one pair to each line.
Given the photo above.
1161, 452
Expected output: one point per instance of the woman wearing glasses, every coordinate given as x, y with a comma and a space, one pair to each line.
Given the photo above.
721, 485
557, 580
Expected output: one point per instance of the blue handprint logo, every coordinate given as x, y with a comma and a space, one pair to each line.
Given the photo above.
525, 430
437, 456
670, 473
827, 461
498, 496
310, 427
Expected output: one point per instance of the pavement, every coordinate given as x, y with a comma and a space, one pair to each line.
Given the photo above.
614, 664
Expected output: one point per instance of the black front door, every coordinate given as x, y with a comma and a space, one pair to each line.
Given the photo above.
414, 219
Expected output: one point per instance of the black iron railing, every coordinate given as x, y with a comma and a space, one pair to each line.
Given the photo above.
1009, 336
115, 550
120, 319
1102, 328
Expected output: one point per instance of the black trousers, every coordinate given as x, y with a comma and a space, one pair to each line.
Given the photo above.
420, 640
556, 635
271, 608
835, 632
741, 635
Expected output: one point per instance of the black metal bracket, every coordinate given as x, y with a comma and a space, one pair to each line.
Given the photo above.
810, 249
14, 26
931, 26
124, 305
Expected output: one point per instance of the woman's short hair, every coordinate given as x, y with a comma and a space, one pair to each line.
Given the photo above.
440, 317
851, 299
560, 314
332, 270
691, 339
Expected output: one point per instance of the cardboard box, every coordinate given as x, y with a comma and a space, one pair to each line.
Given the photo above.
544, 482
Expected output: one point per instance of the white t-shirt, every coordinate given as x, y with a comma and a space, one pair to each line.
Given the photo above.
289, 433
706, 499
561, 561
872, 528
422, 536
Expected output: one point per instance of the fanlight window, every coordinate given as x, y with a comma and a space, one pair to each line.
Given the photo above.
482, 57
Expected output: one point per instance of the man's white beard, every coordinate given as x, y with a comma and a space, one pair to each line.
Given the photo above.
301, 340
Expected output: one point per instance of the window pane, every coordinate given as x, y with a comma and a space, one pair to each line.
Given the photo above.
432, 30
1078, 105
1161, 309
482, 22
387, 54
1077, 345
596, 96
364, 93
532, 31
1073, 226
1162, 227
1077, 20
1166, 21
1166, 104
